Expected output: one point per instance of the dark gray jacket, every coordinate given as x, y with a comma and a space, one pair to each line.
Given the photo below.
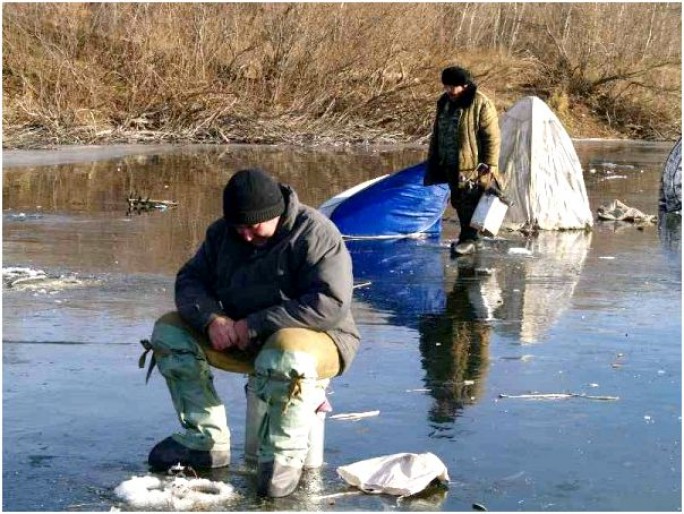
302, 278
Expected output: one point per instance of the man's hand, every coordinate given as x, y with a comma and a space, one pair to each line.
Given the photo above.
224, 333
242, 333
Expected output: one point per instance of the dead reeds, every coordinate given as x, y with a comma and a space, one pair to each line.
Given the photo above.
308, 73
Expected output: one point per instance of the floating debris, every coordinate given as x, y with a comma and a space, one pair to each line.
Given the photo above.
618, 211
29, 279
559, 396
355, 416
523, 358
14, 273
519, 251
22, 216
607, 257
484, 271
139, 205
419, 390
480, 507
334, 496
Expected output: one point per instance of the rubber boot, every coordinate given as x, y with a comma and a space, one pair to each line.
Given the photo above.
464, 248
276, 480
255, 415
205, 443
287, 382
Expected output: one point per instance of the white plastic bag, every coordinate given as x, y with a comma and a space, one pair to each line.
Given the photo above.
401, 474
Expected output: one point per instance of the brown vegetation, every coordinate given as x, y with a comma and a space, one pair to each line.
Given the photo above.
249, 72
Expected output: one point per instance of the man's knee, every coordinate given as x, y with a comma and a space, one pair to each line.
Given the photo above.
299, 352
177, 353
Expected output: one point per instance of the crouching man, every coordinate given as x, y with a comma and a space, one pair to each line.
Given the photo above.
268, 293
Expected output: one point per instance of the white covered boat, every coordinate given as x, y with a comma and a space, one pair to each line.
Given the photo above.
542, 171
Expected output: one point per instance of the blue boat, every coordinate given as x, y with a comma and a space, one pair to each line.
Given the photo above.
390, 207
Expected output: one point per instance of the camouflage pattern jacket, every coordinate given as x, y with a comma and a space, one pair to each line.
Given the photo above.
478, 141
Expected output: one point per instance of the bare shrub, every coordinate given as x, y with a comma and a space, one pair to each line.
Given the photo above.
77, 72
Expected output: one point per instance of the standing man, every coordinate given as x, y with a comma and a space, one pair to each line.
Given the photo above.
464, 149
268, 293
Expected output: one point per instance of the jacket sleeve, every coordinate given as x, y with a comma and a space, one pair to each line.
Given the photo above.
489, 138
433, 172
326, 283
196, 300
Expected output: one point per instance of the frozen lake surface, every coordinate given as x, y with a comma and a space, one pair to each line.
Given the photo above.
596, 314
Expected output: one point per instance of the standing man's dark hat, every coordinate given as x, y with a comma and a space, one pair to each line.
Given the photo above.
456, 76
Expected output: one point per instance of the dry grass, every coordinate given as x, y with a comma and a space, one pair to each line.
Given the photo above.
308, 73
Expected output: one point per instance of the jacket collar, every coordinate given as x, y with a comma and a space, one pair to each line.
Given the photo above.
287, 219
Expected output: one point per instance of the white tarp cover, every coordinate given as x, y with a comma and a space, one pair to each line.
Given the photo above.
401, 474
543, 173
671, 181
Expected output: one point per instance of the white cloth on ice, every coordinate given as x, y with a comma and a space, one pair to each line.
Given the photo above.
401, 474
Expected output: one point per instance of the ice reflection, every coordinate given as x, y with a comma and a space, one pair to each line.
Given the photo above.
456, 305
536, 290
408, 287
454, 346
670, 234
78, 211
670, 231
406, 278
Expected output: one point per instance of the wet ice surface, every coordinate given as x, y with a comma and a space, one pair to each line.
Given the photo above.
596, 314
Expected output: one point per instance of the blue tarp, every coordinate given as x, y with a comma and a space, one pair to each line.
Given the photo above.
396, 206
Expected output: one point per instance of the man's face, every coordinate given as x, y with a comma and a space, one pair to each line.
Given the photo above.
258, 233
453, 92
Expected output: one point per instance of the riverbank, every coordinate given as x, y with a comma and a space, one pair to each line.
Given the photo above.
333, 74
579, 121
580, 126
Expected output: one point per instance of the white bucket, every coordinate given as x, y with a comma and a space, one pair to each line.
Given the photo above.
314, 459
489, 214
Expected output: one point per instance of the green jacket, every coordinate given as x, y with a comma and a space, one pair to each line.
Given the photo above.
479, 141
301, 278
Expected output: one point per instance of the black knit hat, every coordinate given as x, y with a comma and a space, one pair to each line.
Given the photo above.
250, 197
456, 76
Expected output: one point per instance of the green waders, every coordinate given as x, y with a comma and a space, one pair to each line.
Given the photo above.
285, 372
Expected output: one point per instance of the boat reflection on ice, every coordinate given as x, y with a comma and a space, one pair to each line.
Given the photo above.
405, 277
